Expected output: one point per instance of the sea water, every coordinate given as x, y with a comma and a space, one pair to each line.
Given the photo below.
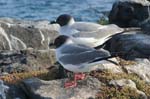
85, 10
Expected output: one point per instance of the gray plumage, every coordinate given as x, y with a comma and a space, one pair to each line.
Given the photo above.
78, 54
98, 33
78, 58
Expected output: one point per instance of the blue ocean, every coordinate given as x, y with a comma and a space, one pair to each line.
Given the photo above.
85, 10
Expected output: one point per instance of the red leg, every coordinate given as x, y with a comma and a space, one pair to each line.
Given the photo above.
70, 84
79, 76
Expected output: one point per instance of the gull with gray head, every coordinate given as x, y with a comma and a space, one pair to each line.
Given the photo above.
87, 33
78, 58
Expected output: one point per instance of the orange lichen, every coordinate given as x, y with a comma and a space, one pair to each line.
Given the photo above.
123, 62
17, 77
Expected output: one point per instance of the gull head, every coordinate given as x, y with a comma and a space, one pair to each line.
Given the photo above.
65, 20
62, 40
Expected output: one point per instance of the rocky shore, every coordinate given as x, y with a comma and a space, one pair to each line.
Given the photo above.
20, 34
28, 69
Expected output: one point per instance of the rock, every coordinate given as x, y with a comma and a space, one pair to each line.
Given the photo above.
130, 45
15, 92
142, 69
133, 46
123, 82
146, 27
111, 65
3, 90
39, 89
129, 13
21, 34
127, 83
26, 60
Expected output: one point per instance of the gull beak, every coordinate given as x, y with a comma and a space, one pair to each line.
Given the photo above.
53, 22
52, 45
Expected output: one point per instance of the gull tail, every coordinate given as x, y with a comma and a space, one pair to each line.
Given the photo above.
102, 58
115, 35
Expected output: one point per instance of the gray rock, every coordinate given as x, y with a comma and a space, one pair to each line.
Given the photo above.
3, 90
146, 27
111, 65
4, 41
130, 13
42, 24
26, 60
21, 34
130, 45
123, 82
142, 69
142, 2
15, 92
39, 89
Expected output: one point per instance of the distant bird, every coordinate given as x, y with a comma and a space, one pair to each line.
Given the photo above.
78, 58
87, 33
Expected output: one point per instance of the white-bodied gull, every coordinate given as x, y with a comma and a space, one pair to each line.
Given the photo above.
78, 58
87, 33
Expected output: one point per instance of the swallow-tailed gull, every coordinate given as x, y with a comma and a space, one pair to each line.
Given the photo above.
87, 33
78, 58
